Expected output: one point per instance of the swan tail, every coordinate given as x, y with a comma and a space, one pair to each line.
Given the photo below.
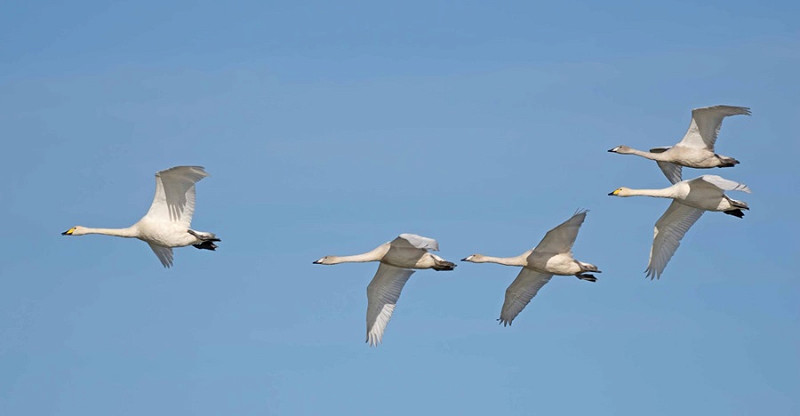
739, 204
738, 207
588, 267
206, 240
727, 162
204, 235
440, 265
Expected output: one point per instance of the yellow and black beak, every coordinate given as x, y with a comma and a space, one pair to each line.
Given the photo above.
69, 232
616, 191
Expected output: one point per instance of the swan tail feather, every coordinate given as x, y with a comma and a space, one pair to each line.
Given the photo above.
738, 205
440, 265
206, 240
204, 235
588, 267
727, 162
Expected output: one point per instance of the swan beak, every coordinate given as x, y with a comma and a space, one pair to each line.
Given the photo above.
611, 150
69, 232
316, 262
616, 191
465, 259
611, 193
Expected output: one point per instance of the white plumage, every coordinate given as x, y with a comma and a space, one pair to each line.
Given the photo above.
397, 259
691, 198
167, 222
553, 255
696, 149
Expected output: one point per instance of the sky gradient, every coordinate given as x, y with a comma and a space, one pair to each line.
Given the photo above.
332, 128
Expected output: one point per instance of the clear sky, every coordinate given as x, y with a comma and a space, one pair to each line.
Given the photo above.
332, 127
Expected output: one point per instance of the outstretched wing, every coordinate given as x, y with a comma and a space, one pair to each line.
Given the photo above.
671, 170
415, 241
705, 125
561, 238
721, 183
520, 293
175, 194
164, 254
382, 294
669, 231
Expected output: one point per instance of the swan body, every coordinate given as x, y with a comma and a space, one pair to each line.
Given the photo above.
691, 198
166, 224
553, 256
398, 259
696, 149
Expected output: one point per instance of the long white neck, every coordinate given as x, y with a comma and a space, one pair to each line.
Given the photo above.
117, 232
651, 156
373, 255
520, 260
658, 193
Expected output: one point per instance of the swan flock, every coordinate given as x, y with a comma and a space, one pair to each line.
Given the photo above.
167, 225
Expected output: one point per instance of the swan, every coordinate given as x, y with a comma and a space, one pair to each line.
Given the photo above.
691, 198
696, 150
552, 256
396, 257
166, 224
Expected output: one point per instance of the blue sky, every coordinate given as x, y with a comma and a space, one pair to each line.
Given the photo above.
332, 128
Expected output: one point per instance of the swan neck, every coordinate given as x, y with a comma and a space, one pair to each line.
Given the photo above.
658, 193
129, 232
648, 155
506, 261
373, 255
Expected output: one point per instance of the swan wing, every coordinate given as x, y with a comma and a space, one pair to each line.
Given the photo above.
560, 239
164, 254
175, 194
415, 241
720, 182
382, 294
706, 123
520, 293
669, 231
671, 170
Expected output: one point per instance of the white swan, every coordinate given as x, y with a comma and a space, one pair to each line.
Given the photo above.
552, 256
166, 224
691, 198
408, 251
696, 150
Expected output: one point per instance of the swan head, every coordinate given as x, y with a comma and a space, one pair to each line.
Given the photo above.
622, 191
76, 230
475, 258
620, 149
326, 260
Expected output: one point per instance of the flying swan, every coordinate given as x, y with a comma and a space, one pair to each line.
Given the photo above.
166, 224
696, 150
397, 257
691, 198
552, 256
